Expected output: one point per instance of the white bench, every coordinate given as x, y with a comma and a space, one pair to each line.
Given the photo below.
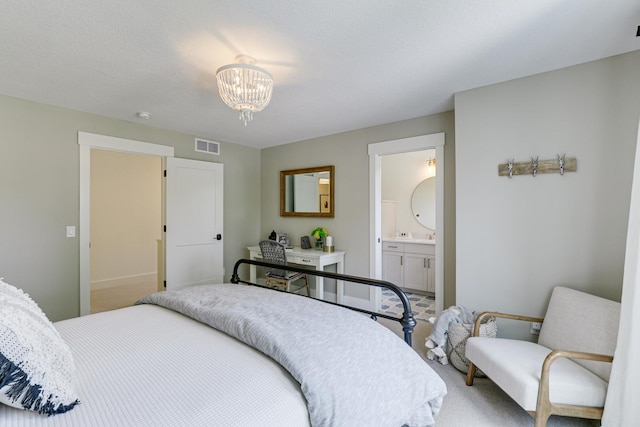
563, 373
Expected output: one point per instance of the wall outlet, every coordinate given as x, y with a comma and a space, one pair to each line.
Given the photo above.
535, 327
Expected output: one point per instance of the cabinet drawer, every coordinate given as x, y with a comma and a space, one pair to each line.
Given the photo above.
301, 260
393, 247
416, 248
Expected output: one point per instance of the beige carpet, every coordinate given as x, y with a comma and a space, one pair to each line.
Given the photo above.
481, 405
120, 296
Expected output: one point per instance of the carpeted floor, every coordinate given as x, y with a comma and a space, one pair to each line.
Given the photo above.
120, 296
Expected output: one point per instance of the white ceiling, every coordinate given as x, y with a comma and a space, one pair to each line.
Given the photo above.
338, 65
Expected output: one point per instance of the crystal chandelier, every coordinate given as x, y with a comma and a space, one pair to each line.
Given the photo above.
245, 87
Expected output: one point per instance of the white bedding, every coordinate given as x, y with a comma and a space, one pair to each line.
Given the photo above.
169, 371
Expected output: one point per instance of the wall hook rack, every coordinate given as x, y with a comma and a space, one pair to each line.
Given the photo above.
560, 164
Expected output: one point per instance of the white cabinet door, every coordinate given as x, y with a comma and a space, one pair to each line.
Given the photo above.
194, 223
415, 271
392, 268
431, 273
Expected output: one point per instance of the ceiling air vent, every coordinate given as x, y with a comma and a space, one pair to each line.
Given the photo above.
205, 146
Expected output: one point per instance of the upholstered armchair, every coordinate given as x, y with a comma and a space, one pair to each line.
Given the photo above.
567, 371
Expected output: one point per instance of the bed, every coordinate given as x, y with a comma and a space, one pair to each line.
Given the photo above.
229, 355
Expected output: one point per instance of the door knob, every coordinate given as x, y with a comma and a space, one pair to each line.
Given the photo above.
218, 236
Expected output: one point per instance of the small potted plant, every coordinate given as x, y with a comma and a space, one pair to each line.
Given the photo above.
319, 233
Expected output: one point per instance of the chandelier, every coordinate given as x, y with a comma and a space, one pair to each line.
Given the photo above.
245, 87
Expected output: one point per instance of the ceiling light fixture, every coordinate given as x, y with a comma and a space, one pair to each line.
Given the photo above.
245, 87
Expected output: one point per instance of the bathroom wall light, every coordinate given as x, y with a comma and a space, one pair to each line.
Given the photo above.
431, 166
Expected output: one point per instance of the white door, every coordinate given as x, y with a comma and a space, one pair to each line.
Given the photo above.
193, 238
305, 193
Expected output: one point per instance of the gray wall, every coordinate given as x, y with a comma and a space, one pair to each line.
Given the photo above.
348, 152
39, 181
518, 238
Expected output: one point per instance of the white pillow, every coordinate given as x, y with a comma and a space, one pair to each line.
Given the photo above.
36, 365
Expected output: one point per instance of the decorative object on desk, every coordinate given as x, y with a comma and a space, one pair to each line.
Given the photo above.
305, 243
559, 165
319, 233
273, 235
328, 244
284, 239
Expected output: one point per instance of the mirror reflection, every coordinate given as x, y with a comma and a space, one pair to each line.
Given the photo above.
423, 203
307, 192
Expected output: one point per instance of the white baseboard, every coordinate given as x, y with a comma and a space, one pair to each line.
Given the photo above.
123, 281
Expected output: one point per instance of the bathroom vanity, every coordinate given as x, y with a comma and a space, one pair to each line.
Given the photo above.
410, 264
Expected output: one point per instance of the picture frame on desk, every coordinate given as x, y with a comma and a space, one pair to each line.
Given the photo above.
305, 243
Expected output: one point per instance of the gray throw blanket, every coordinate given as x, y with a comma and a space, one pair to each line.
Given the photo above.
436, 342
352, 371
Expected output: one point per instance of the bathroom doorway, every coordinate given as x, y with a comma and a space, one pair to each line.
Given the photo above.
435, 143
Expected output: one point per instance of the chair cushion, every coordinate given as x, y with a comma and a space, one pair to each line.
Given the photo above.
515, 366
290, 276
579, 321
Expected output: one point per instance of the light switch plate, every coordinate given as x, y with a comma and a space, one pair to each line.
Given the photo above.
71, 231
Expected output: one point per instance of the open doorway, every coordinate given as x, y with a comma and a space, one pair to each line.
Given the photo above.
408, 218
433, 142
88, 142
126, 228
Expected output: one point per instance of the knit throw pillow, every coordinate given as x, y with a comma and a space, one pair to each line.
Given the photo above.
36, 365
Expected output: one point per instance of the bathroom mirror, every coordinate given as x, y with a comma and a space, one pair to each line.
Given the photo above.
307, 192
423, 203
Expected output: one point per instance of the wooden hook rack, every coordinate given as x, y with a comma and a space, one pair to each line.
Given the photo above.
543, 166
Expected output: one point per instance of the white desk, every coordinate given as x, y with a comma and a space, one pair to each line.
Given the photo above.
310, 257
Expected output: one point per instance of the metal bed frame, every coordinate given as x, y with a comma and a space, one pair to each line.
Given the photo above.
407, 320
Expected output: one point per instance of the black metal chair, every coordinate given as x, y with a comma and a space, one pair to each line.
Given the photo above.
275, 253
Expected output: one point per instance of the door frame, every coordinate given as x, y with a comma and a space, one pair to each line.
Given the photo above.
376, 151
87, 141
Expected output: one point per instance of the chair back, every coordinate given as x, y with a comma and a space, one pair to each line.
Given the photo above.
275, 253
578, 321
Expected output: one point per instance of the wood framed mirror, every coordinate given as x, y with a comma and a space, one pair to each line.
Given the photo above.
307, 192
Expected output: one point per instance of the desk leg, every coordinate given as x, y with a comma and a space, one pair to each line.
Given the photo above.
340, 283
319, 285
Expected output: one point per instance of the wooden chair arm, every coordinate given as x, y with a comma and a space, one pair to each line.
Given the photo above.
481, 316
545, 407
557, 354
